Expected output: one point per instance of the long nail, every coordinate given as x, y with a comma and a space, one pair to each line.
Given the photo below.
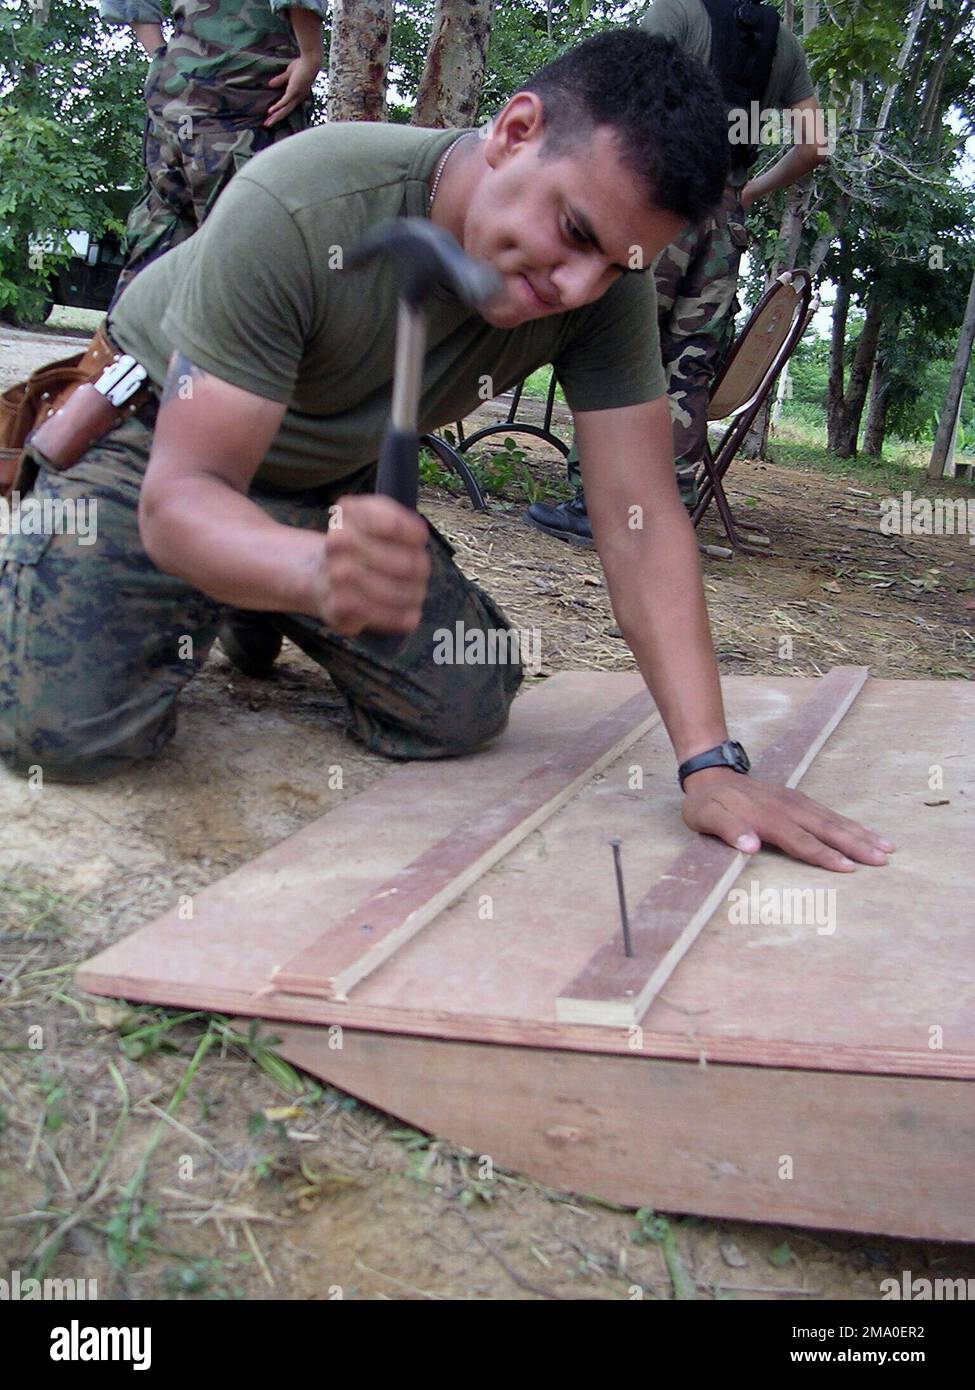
627, 943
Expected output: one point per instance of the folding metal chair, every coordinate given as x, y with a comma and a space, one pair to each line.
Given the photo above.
750, 370
453, 455
743, 383
512, 425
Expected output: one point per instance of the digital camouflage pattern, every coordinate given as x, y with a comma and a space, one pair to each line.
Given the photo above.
96, 643
207, 96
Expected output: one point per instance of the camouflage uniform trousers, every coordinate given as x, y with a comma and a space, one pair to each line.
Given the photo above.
189, 159
696, 278
93, 649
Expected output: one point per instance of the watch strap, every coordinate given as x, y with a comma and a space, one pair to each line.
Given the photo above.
727, 754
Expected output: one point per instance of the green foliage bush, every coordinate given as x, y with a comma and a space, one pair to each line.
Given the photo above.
71, 118
45, 190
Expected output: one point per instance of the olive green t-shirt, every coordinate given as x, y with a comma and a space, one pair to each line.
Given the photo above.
259, 298
687, 22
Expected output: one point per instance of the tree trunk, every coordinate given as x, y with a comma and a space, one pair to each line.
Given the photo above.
901, 64
835, 384
755, 443
358, 58
450, 88
856, 115
956, 384
846, 408
931, 23
932, 91
876, 426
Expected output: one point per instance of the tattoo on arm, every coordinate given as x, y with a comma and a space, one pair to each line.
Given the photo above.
179, 379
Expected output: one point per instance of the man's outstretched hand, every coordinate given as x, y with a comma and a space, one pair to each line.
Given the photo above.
745, 813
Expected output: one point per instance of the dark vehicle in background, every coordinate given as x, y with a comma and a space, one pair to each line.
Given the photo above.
87, 280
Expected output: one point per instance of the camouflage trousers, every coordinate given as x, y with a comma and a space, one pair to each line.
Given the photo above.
96, 643
188, 162
696, 278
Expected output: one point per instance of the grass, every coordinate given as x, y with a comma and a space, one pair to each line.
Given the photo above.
23, 910
127, 1215
796, 444
503, 472
537, 385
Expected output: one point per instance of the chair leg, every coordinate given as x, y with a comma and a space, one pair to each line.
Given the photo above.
712, 487
453, 460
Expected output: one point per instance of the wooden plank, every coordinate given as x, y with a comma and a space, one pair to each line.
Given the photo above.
866, 998
615, 990
413, 896
889, 1155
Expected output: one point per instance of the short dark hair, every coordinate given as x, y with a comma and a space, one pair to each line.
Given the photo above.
666, 107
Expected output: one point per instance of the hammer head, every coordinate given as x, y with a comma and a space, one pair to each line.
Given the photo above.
427, 256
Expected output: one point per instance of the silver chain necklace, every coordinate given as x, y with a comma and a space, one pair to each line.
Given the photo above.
440, 168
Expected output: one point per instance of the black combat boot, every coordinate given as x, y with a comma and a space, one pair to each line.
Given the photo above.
568, 520
251, 642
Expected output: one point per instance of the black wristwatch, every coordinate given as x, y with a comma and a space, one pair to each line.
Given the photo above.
728, 754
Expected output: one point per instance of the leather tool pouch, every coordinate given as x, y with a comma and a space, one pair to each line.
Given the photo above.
22, 405
64, 436
46, 410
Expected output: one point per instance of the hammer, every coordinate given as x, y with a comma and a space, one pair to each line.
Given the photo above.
425, 256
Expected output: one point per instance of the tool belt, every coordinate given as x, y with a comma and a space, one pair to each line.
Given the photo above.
63, 408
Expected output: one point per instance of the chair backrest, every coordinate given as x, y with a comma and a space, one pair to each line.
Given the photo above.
762, 347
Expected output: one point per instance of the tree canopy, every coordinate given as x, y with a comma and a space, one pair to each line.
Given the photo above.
888, 219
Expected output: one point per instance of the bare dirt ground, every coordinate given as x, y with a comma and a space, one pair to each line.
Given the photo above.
169, 1157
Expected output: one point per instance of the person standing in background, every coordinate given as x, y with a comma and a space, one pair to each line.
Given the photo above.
234, 77
762, 69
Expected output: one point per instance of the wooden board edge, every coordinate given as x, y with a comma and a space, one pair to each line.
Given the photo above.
577, 1002
702, 1051
625, 1013
857, 678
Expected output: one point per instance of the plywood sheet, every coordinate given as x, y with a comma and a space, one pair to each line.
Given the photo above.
404, 902
888, 986
822, 1149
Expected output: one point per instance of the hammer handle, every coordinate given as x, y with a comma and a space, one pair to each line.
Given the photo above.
398, 475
